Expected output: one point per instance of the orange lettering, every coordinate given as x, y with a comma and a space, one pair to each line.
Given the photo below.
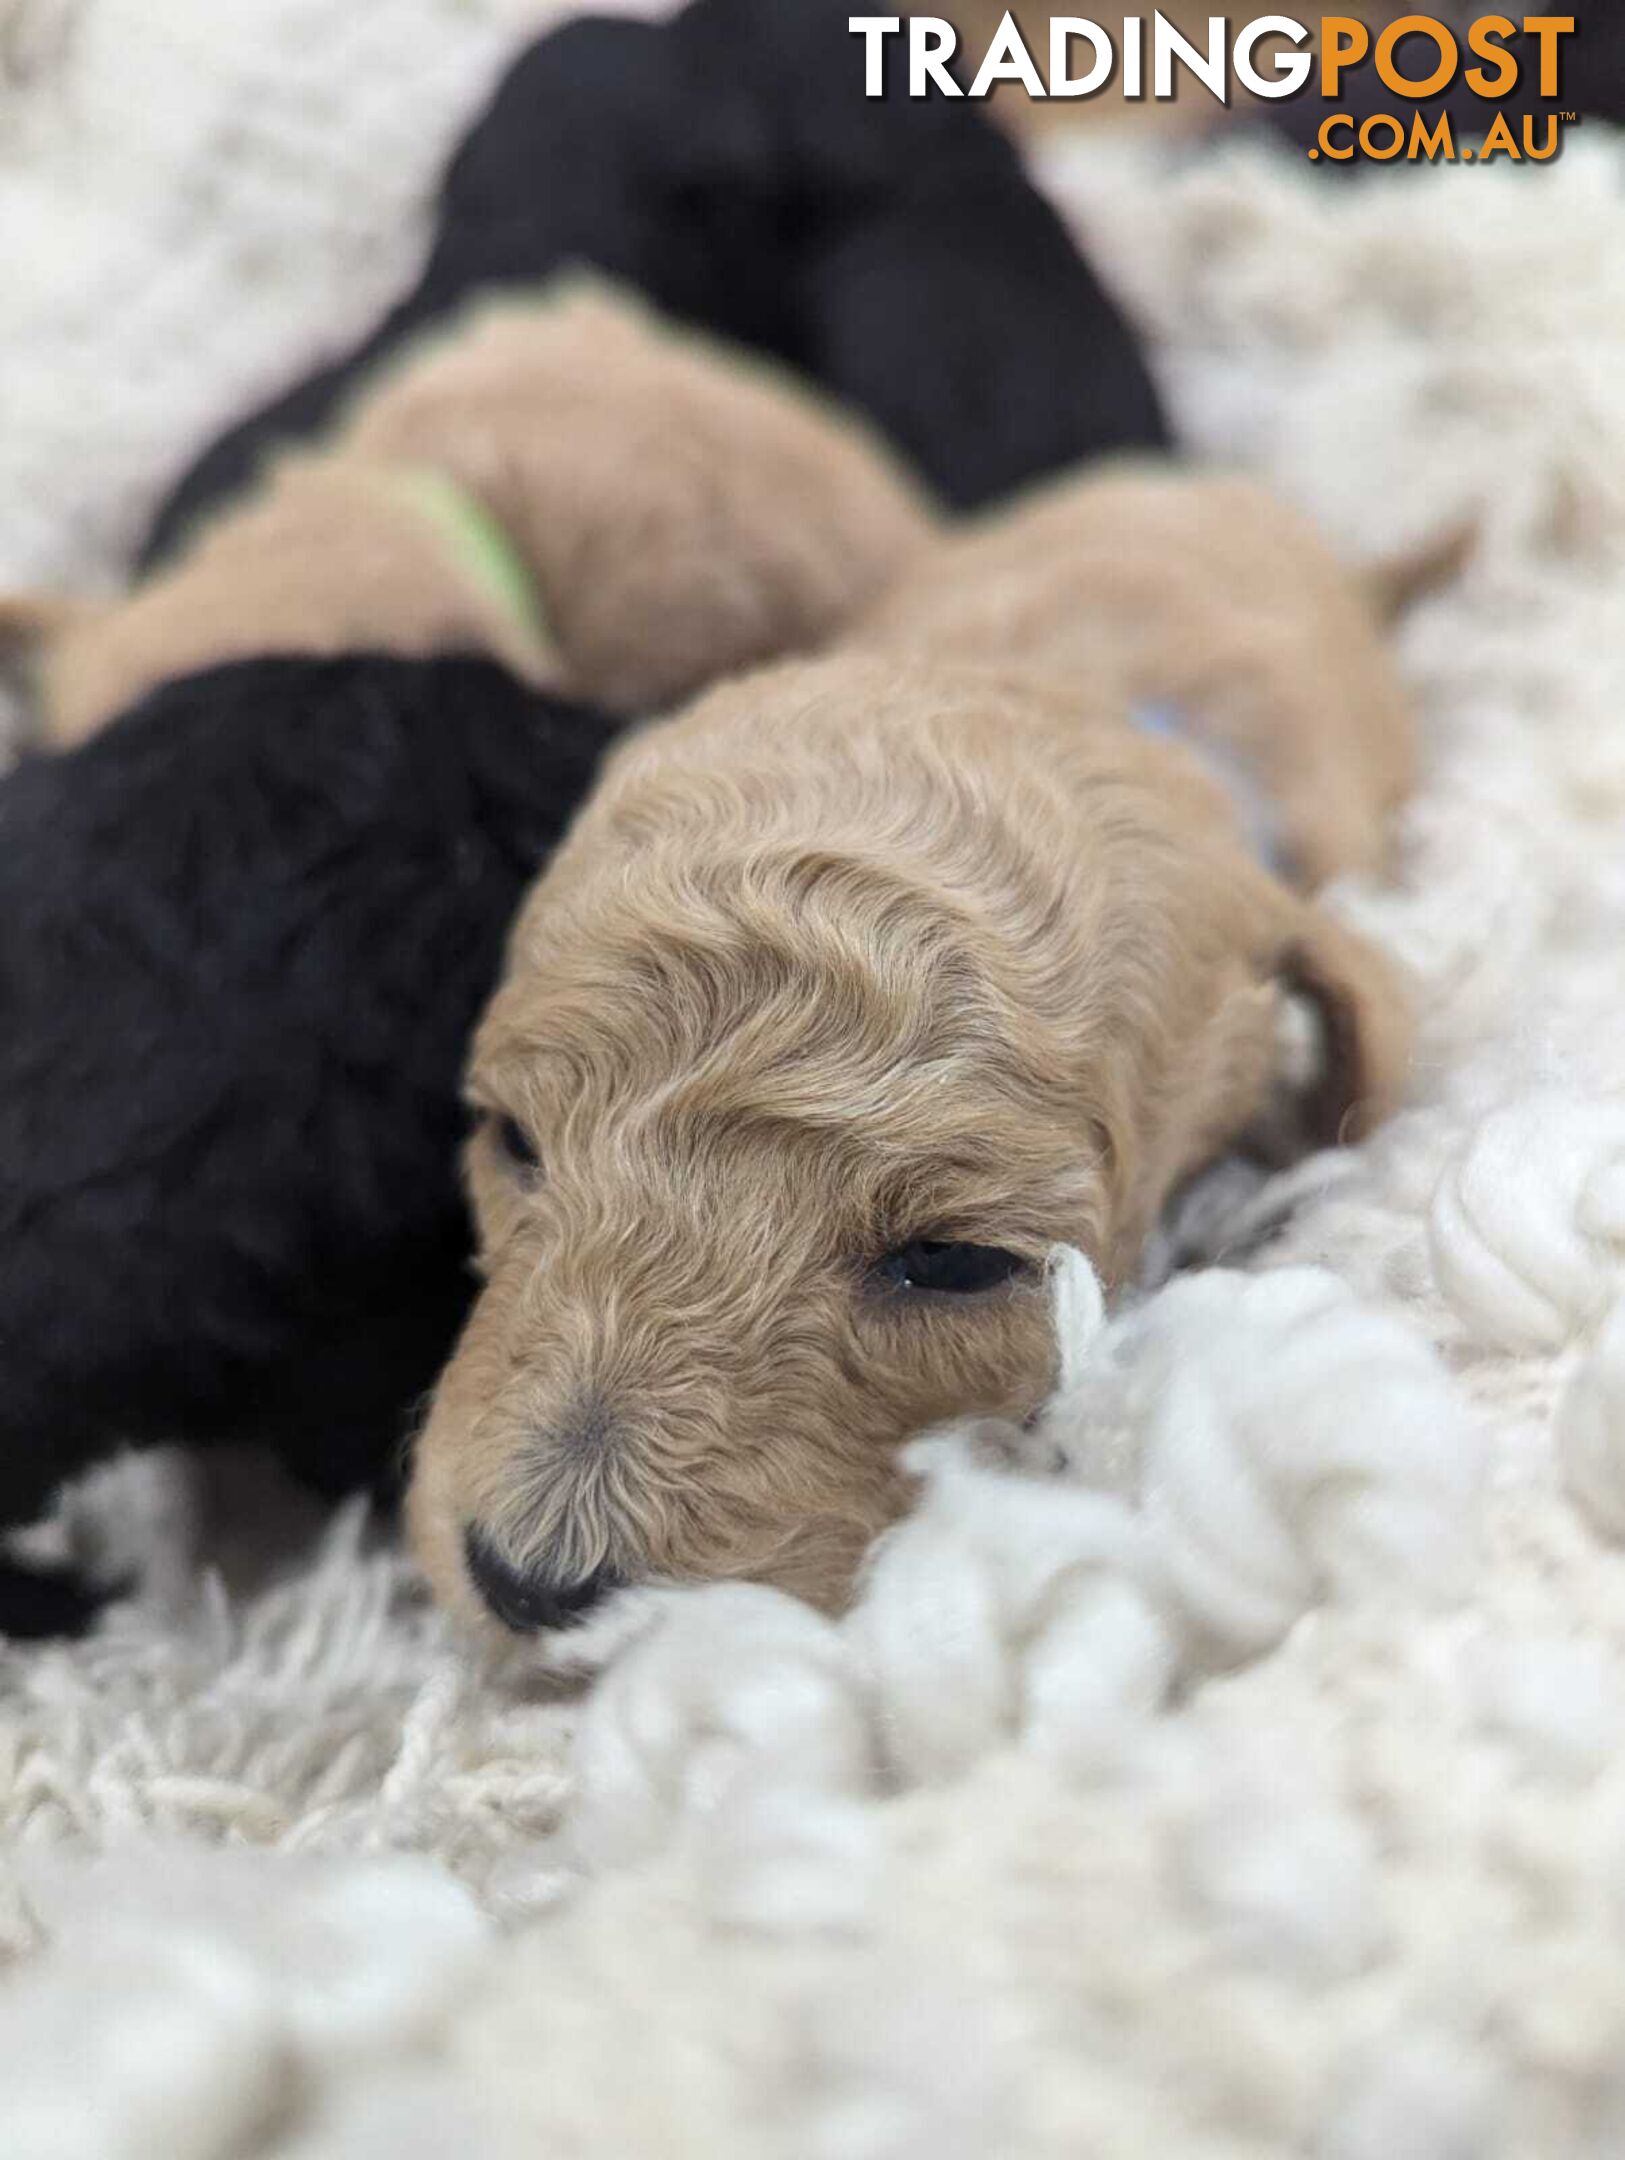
1546, 30
1344, 44
1482, 39
1417, 26
1370, 142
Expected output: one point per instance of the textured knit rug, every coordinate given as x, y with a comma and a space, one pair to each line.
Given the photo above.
1237, 1770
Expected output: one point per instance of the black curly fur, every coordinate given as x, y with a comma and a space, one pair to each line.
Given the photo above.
727, 165
244, 936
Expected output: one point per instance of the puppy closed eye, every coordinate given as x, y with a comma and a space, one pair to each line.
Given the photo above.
513, 1144
957, 1270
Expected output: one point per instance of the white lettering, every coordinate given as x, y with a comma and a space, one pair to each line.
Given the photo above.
1292, 70
1165, 55
1208, 67
1133, 56
1062, 30
874, 31
928, 59
1008, 60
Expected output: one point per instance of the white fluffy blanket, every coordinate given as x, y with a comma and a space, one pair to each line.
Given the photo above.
1247, 1776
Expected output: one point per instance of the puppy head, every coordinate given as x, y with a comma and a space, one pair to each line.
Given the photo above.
760, 1191
819, 1034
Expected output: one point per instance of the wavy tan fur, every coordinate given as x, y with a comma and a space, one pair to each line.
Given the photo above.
878, 948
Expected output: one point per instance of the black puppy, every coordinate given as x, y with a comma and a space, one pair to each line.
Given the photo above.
920, 275
728, 165
244, 937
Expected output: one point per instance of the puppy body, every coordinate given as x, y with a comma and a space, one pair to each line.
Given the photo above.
1201, 594
684, 510
611, 508
854, 964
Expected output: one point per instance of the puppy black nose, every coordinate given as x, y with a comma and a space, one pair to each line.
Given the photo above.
530, 1599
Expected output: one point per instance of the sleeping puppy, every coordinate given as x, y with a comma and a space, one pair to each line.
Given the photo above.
615, 509
727, 165
858, 987
244, 936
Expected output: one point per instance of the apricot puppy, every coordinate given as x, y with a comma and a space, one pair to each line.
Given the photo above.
614, 508
860, 985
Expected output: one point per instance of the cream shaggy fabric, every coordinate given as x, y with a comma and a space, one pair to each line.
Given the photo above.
1234, 1768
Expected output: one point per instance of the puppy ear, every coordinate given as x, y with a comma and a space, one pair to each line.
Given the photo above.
29, 620
1363, 1006
1346, 1030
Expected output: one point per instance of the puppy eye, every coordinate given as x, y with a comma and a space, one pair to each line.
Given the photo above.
960, 1270
514, 1144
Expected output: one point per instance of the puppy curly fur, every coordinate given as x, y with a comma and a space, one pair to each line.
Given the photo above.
726, 165
679, 512
886, 948
244, 936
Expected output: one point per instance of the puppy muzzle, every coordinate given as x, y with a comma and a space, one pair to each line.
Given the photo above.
530, 1600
